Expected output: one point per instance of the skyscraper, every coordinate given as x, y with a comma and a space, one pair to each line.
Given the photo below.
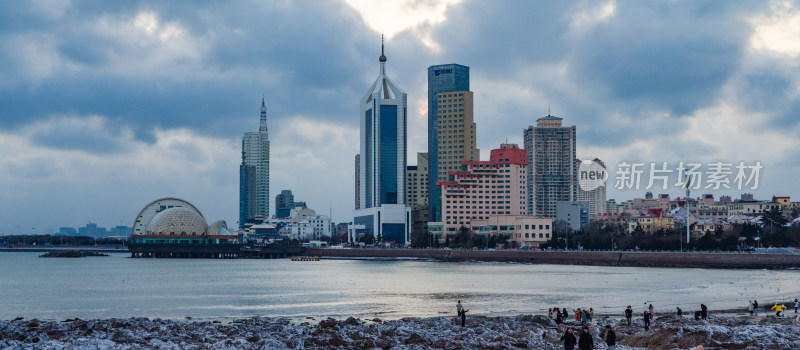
254, 174
383, 142
443, 79
284, 203
551, 166
381, 211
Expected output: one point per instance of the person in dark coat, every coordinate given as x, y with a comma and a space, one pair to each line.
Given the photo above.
697, 315
629, 314
463, 316
564, 315
611, 338
755, 308
680, 312
585, 342
704, 311
569, 340
646, 321
558, 317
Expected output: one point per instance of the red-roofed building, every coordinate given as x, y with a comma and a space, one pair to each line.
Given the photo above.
483, 189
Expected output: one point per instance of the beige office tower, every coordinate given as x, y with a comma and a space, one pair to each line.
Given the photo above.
417, 183
456, 132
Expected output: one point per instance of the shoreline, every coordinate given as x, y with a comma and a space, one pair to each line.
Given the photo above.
501, 332
722, 260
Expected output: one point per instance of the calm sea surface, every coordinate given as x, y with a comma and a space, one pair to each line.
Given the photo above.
118, 286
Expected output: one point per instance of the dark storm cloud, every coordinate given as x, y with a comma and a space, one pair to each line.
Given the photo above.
673, 58
649, 64
293, 52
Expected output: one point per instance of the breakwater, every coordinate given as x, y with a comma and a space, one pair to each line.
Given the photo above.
593, 258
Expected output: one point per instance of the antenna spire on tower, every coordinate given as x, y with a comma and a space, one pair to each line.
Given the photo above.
383, 57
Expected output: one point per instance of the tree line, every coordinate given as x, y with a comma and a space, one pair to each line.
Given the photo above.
56, 240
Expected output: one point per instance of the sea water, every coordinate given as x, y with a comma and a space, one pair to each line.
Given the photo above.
118, 286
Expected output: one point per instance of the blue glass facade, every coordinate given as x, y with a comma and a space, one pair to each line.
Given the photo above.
393, 232
441, 78
369, 169
388, 154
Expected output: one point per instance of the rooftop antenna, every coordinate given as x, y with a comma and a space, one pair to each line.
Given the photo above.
548, 108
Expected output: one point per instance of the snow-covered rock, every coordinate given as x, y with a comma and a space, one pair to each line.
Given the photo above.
518, 332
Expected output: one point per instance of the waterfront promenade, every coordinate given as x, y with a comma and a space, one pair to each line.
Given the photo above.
594, 258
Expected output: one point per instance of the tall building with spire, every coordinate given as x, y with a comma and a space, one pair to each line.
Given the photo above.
254, 174
383, 142
382, 170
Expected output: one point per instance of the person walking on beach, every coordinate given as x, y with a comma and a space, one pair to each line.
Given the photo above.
629, 314
590, 316
611, 338
458, 308
569, 339
796, 305
584, 316
558, 317
651, 311
755, 308
585, 342
577, 314
564, 314
680, 312
646, 321
463, 316
704, 311
778, 309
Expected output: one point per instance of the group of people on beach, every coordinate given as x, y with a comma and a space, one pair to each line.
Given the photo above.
581, 315
584, 340
778, 308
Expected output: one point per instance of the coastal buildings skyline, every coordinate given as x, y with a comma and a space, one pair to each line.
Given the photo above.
159, 104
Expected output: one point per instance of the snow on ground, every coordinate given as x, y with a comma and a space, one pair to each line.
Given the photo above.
521, 332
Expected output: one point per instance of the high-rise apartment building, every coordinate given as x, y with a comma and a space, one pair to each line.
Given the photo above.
442, 81
254, 174
551, 166
482, 189
284, 203
595, 197
381, 211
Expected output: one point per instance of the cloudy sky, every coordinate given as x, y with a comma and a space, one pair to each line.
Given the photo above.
105, 106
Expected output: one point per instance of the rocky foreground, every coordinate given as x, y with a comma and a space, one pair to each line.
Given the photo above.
521, 332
